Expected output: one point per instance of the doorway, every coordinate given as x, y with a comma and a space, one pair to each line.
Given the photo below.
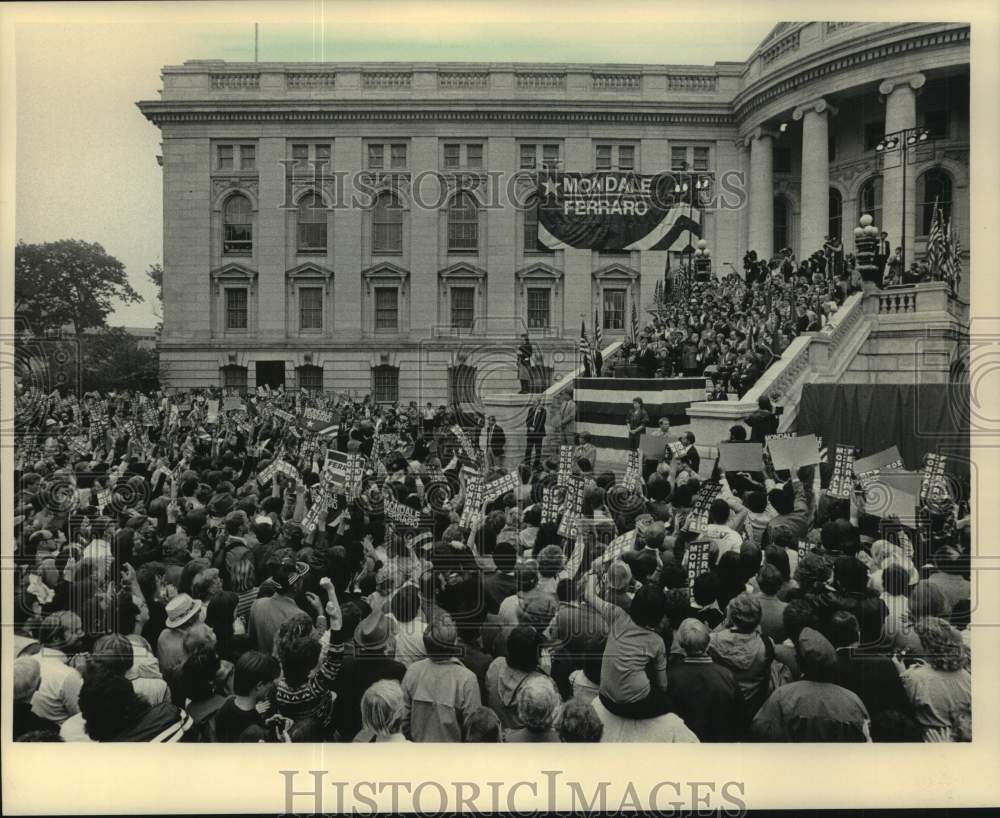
271, 373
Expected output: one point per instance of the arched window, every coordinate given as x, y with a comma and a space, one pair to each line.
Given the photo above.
237, 220
870, 200
312, 224
933, 186
463, 224
836, 228
782, 223
531, 225
387, 225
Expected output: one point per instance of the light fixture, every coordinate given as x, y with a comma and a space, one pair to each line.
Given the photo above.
924, 135
880, 146
681, 187
911, 140
783, 127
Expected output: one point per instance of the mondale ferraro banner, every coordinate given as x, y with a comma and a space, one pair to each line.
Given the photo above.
616, 211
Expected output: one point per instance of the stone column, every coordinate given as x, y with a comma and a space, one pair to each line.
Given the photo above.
900, 113
761, 232
814, 219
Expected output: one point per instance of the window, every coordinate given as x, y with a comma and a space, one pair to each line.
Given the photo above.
937, 123
678, 158
550, 156
874, 131
614, 309
463, 309
385, 384
386, 309
388, 154
603, 161
870, 199
236, 156
615, 156
782, 160
225, 155
626, 157
236, 308
310, 308
452, 155
310, 377
836, 228
323, 154
539, 313
527, 157
235, 378
933, 186
300, 153
701, 158
781, 225
387, 225
237, 219
463, 224
248, 157
474, 156
312, 224
531, 225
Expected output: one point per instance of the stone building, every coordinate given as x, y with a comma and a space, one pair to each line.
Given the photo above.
274, 275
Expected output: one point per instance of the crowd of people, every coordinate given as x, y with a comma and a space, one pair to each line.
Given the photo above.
192, 567
732, 328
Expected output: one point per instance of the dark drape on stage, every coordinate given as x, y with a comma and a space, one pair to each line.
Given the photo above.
918, 418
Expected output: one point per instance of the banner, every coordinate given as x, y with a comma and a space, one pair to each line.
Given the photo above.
698, 517
574, 507
841, 482
633, 472
616, 211
873, 463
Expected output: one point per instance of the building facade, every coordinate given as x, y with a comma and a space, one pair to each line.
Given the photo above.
274, 273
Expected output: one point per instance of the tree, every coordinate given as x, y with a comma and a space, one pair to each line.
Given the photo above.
113, 359
155, 274
68, 282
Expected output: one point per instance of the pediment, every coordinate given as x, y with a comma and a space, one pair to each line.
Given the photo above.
616, 270
540, 270
234, 271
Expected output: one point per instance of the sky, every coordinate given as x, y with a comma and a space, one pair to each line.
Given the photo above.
86, 157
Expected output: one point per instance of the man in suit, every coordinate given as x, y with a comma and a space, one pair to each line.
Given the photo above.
535, 428
494, 443
883, 252
646, 359
567, 421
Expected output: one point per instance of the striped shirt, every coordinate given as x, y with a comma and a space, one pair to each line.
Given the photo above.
314, 698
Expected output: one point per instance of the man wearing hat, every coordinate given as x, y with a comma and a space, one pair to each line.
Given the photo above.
369, 664
814, 708
183, 613
268, 614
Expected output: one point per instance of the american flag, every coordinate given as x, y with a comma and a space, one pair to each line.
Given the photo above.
936, 245
597, 331
635, 325
586, 356
953, 260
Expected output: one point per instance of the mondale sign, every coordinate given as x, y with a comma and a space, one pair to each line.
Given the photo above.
620, 211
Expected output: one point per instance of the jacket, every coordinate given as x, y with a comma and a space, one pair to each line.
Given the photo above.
163, 724
439, 694
536, 421
748, 657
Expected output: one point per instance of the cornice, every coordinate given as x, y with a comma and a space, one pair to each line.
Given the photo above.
795, 76
170, 112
